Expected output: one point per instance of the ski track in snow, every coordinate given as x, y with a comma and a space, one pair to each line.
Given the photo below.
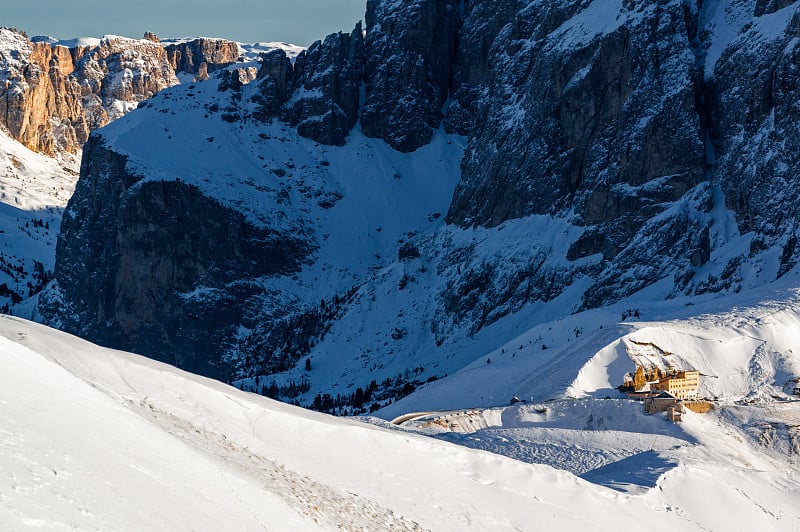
320, 502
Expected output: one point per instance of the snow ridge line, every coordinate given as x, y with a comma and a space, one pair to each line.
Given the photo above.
318, 501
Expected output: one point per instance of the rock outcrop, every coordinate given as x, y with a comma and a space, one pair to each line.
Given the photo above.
482, 22
327, 77
404, 62
409, 59
582, 122
41, 103
757, 147
120, 73
201, 56
52, 97
318, 93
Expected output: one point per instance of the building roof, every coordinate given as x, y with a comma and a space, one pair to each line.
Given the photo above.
665, 395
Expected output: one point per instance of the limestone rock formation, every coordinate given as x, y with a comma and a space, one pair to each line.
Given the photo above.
276, 83
52, 97
571, 108
201, 56
120, 73
409, 56
327, 78
318, 93
40, 102
481, 23
404, 58
755, 132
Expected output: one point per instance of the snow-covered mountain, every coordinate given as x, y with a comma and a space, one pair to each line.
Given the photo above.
100, 439
454, 207
52, 94
399, 201
744, 346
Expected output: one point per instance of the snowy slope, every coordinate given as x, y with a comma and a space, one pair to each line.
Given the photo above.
746, 348
97, 439
34, 189
356, 204
745, 345
360, 204
470, 296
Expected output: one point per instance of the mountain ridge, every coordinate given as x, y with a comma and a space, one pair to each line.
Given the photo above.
54, 93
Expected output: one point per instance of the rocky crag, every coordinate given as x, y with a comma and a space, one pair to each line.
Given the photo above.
52, 96
610, 147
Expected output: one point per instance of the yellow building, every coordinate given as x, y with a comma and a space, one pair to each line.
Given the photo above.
682, 385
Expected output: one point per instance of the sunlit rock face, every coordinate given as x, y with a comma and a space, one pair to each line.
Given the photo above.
52, 96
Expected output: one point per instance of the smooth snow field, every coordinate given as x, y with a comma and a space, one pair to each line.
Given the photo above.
95, 439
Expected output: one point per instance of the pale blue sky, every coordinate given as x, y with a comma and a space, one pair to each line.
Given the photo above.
296, 21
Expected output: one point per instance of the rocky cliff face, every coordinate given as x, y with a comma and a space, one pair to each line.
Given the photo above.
640, 124
405, 63
52, 97
151, 253
610, 147
36, 86
753, 89
120, 73
409, 58
580, 121
327, 79
201, 56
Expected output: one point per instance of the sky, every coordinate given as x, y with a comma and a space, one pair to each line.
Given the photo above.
295, 21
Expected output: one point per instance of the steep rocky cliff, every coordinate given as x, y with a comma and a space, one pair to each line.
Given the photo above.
152, 253
201, 56
327, 78
409, 57
442, 179
35, 86
52, 96
753, 90
404, 60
